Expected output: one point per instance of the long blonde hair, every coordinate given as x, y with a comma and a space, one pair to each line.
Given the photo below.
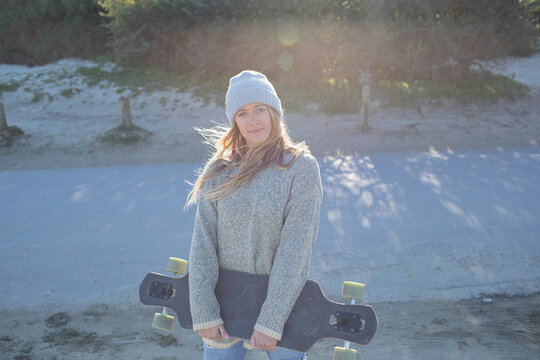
231, 151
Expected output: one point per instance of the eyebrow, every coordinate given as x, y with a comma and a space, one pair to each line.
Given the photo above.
256, 106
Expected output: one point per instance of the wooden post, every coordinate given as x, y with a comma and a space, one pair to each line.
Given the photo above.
3, 121
126, 113
366, 95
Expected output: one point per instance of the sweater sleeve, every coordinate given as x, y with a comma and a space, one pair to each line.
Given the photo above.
291, 263
203, 267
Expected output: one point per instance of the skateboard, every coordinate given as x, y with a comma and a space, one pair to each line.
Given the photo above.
241, 296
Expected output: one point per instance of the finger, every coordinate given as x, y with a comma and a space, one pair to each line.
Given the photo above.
217, 336
224, 332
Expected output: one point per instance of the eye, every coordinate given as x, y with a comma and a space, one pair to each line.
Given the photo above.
261, 109
241, 114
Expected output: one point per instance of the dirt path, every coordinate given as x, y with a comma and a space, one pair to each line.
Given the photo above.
489, 328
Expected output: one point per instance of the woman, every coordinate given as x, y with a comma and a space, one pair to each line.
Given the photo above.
258, 205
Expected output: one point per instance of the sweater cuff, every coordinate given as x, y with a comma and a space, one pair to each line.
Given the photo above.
268, 332
225, 344
207, 324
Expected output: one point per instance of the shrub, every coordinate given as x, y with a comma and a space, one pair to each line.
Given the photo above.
8, 137
121, 135
533, 7
315, 41
41, 31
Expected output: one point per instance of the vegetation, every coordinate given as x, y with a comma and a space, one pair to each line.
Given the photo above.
40, 31
11, 86
7, 137
316, 40
320, 51
533, 7
121, 135
137, 79
324, 51
68, 93
478, 88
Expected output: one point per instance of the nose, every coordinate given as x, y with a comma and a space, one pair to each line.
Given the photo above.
253, 119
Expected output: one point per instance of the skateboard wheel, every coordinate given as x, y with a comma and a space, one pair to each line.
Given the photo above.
352, 290
177, 266
344, 354
162, 321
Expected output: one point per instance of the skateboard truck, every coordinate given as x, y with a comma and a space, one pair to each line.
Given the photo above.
165, 291
349, 322
161, 290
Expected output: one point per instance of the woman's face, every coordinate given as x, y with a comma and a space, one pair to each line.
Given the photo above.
254, 123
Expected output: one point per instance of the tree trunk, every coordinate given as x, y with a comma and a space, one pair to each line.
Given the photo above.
126, 113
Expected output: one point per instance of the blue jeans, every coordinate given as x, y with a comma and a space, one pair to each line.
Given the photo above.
238, 352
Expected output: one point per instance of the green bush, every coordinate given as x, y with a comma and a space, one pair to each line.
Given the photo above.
533, 6
121, 135
7, 87
315, 41
41, 31
478, 87
10, 135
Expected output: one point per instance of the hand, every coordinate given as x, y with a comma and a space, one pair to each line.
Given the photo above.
263, 342
216, 333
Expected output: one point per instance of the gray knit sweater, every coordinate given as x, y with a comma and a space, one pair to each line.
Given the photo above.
267, 227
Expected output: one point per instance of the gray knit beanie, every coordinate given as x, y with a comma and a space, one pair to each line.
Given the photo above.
250, 87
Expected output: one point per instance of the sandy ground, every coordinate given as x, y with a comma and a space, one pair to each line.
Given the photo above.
62, 132
489, 328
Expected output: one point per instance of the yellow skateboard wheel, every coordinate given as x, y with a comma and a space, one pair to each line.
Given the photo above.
352, 290
177, 266
344, 354
162, 321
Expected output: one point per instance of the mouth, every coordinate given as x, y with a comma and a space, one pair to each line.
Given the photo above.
255, 131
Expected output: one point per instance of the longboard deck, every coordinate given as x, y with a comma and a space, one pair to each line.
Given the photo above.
241, 296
